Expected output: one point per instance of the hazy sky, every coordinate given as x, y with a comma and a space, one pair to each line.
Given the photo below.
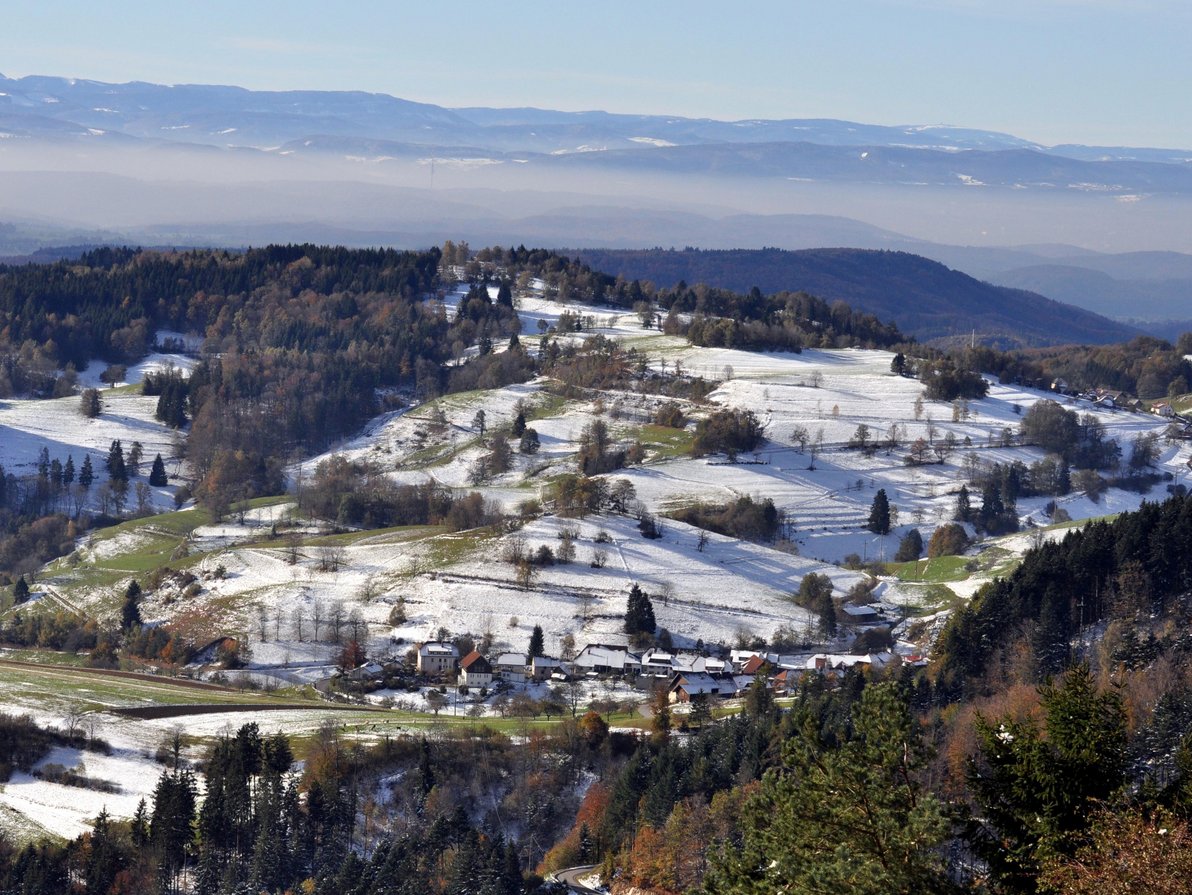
1088, 71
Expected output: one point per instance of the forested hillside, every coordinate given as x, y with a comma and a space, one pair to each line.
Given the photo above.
924, 298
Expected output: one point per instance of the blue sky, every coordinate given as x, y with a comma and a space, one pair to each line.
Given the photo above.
1090, 71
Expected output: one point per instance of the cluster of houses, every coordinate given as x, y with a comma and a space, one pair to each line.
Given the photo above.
1108, 399
688, 676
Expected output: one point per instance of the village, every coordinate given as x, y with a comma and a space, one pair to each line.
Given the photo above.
486, 683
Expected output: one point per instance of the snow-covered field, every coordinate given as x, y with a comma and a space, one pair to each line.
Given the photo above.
27, 426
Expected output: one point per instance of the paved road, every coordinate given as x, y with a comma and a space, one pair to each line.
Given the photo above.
571, 876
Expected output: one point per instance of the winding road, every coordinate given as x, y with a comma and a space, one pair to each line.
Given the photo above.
572, 875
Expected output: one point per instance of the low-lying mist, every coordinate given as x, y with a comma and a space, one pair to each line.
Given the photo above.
199, 195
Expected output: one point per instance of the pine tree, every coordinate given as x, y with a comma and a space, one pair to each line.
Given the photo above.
537, 647
964, 506
170, 827
117, 470
104, 858
1038, 793
157, 474
68, 471
841, 817
139, 830
134, 458
910, 547
87, 473
879, 513
1064, 485
130, 610
20, 591
639, 614
519, 423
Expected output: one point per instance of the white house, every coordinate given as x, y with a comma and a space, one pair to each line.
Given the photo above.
596, 657
656, 661
511, 668
436, 658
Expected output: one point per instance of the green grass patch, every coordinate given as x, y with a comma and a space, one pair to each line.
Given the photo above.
449, 549
942, 568
44, 657
934, 598
64, 687
663, 442
439, 454
545, 405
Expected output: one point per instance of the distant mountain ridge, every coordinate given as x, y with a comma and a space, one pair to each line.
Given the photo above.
379, 127
923, 297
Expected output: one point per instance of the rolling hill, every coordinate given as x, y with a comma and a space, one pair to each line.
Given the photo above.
925, 298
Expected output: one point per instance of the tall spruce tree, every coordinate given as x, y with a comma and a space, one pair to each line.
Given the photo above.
639, 614
117, 469
964, 505
537, 647
879, 513
157, 473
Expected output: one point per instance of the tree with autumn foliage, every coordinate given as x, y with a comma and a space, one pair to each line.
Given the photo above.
1126, 854
576, 847
351, 656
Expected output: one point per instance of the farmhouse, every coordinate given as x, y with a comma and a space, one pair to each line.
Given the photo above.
475, 670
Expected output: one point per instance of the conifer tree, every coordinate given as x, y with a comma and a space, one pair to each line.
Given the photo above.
68, 470
117, 470
879, 513
133, 463
130, 610
964, 506
536, 642
639, 614
20, 591
170, 827
90, 404
910, 547
157, 474
86, 473
841, 817
1037, 793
